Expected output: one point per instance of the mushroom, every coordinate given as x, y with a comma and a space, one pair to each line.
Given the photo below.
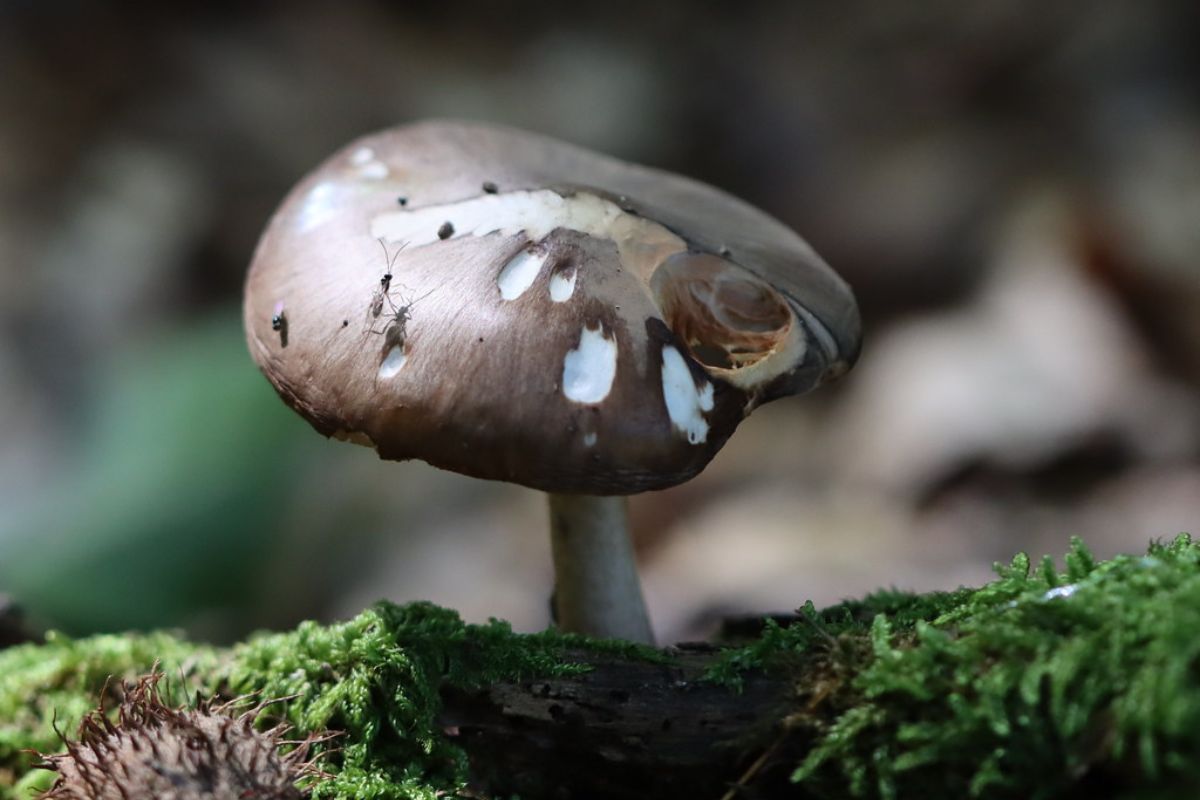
533, 312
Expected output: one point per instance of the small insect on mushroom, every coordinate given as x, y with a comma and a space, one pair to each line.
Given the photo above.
395, 332
279, 323
385, 283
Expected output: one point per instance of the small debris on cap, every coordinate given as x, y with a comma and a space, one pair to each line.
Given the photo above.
490, 187
446, 231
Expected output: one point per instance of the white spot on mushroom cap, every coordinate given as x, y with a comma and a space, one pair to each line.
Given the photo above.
321, 204
641, 243
562, 285
686, 403
393, 362
368, 165
589, 439
519, 274
589, 369
376, 170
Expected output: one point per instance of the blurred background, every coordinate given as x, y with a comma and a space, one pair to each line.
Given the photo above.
1012, 188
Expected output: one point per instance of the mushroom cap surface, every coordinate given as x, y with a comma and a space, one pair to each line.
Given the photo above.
507, 306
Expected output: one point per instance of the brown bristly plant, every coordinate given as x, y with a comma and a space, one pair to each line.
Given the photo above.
209, 749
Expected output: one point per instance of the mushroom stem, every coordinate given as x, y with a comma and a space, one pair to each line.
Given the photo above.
596, 582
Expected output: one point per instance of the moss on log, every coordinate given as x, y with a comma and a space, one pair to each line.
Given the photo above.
1044, 683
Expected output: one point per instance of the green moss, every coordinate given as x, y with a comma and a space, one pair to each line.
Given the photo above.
374, 678
829, 638
1026, 686
1030, 686
44, 687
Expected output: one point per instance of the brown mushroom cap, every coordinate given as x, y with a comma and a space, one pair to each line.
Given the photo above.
554, 317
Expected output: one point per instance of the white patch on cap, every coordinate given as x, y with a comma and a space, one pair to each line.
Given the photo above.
393, 362
519, 274
562, 285
320, 204
589, 369
376, 170
368, 165
642, 243
589, 439
685, 402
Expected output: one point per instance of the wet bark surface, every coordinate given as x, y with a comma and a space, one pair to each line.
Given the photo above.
625, 729
13, 629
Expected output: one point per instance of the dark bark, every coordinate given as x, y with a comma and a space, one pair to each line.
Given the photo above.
626, 729
13, 629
